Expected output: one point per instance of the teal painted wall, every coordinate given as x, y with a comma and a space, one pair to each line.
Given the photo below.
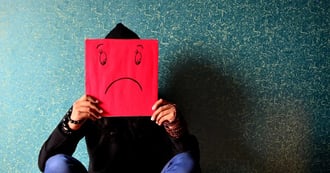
252, 77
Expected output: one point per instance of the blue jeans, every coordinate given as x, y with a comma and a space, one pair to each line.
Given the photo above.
60, 163
180, 163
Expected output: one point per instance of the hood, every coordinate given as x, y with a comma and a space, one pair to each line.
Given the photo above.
122, 32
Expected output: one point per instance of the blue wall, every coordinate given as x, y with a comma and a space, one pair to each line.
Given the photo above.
252, 77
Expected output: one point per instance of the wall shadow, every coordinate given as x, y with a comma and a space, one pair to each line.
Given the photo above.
215, 108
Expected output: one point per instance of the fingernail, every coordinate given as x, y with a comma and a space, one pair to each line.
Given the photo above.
152, 118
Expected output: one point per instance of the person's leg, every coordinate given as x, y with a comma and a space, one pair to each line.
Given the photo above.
62, 163
180, 163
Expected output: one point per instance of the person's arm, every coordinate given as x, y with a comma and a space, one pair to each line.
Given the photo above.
166, 115
176, 129
61, 141
67, 134
182, 139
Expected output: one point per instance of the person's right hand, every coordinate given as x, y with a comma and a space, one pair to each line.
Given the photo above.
85, 108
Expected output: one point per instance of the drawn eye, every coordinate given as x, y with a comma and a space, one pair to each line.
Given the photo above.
138, 54
102, 55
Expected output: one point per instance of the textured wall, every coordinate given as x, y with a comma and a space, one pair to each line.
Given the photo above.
252, 77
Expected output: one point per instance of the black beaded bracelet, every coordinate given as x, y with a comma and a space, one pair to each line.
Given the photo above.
74, 121
68, 114
65, 127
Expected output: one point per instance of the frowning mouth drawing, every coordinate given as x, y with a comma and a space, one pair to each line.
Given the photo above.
137, 60
120, 79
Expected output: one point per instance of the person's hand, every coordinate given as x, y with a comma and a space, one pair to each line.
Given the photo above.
163, 111
85, 108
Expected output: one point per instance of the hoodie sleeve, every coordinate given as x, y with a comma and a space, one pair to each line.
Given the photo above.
181, 138
59, 142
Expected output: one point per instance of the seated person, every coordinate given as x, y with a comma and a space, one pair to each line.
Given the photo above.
121, 144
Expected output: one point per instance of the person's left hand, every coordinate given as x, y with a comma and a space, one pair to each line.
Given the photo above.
163, 111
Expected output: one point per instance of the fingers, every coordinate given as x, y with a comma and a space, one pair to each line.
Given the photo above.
88, 113
89, 106
157, 104
88, 98
86, 107
163, 111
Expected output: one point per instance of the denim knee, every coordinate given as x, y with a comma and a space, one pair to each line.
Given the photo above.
62, 163
182, 162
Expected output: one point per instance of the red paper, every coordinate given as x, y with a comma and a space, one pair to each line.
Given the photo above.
122, 75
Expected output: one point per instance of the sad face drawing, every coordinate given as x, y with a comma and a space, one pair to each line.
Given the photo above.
123, 75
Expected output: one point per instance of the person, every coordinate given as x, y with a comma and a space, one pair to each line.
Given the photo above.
161, 143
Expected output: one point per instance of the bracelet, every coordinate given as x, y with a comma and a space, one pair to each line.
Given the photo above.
68, 114
175, 129
65, 123
74, 121
65, 127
